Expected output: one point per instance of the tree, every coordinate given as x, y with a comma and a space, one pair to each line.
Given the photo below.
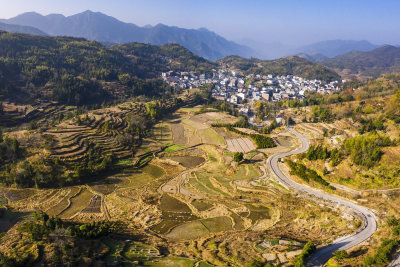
238, 156
291, 121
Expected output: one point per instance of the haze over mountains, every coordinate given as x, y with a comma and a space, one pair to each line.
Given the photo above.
100, 27
347, 57
20, 29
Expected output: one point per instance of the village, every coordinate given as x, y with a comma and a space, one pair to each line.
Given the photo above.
229, 86
245, 91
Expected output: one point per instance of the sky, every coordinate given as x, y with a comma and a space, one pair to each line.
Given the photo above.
291, 22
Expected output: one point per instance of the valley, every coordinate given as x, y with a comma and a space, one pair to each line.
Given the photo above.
186, 196
135, 154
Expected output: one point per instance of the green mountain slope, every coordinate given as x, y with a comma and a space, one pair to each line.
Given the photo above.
284, 66
76, 71
154, 59
369, 64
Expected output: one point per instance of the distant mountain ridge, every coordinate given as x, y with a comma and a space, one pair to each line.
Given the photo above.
371, 64
106, 29
20, 29
333, 48
314, 51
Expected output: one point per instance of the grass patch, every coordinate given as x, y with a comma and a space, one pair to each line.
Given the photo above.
250, 155
174, 148
205, 264
211, 137
115, 249
188, 161
154, 171
172, 261
124, 163
143, 160
205, 180
199, 186
3, 201
201, 205
139, 179
279, 185
200, 228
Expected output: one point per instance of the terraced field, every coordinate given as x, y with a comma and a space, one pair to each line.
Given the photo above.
15, 115
188, 200
73, 140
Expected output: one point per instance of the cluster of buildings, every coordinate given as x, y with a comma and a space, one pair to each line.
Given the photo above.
237, 89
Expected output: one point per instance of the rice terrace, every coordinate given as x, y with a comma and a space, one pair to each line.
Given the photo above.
181, 186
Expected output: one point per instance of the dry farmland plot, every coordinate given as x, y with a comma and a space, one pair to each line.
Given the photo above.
200, 228
163, 133
284, 140
64, 203
94, 205
209, 136
240, 145
188, 161
214, 117
174, 212
78, 203
178, 132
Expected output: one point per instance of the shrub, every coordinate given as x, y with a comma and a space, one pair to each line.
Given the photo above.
263, 141
300, 260
238, 157
366, 150
381, 256
341, 254
305, 173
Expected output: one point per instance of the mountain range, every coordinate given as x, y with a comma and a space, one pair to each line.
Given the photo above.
108, 30
333, 48
347, 57
364, 65
100, 27
20, 29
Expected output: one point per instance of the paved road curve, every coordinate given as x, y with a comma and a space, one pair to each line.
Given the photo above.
396, 261
323, 254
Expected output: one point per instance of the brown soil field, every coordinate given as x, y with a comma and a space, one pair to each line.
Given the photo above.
240, 145
94, 205
178, 132
188, 161
214, 117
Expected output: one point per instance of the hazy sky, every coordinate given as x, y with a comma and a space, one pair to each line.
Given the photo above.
287, 21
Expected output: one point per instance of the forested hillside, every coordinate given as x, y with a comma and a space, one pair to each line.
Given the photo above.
284, 66
76, 71
371, 64
151, 59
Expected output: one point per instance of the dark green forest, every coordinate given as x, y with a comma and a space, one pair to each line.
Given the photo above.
75, 71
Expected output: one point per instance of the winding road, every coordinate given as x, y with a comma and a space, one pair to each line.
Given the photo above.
323, 254
396, 261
